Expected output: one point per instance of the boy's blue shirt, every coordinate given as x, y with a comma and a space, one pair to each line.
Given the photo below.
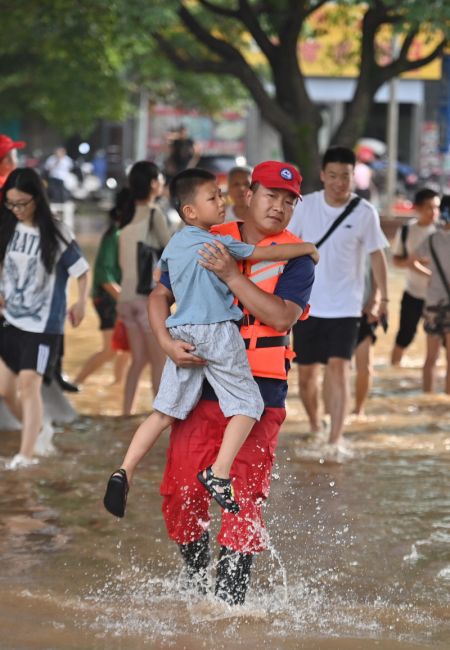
201, 297
294, 284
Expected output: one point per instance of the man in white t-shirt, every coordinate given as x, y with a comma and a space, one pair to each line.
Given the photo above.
407, 240
329, 335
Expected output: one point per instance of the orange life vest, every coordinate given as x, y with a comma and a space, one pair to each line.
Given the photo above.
267, 349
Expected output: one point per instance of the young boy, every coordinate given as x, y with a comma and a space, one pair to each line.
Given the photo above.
408, 239
206, 317
435, 250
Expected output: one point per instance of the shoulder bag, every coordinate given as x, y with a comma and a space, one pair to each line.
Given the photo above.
147, 260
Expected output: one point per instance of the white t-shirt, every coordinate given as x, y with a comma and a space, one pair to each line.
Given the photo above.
339, 283
35, 301
416, 283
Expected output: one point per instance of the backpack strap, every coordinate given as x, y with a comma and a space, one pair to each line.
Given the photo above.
404, 237
350, 207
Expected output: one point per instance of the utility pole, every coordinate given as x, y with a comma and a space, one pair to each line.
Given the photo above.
392, 136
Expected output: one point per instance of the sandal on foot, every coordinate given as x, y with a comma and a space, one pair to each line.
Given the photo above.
225, 495
115, 498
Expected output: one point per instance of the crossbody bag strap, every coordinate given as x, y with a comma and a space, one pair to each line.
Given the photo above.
351, 206
439, 268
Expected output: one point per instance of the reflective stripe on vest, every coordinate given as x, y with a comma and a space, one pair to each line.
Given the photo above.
267, 349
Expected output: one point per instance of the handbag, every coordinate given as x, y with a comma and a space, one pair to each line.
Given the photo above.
119, 339
147, 260
351, 206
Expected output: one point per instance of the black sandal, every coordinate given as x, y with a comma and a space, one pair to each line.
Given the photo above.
115, 498
225, 497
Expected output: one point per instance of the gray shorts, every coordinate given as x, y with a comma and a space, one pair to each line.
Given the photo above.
227, 371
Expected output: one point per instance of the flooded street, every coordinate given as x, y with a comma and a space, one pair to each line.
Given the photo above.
360, 555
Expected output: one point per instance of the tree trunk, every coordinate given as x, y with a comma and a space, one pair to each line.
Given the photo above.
302, 150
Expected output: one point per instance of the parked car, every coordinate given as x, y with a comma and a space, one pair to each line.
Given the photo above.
220, 165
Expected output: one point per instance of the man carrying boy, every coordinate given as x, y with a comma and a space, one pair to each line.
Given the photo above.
408, 238
274, 296
205, 314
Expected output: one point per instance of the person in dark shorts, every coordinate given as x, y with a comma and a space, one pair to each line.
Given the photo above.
408, 238
329, 336
37, 256
363, 356
105, 291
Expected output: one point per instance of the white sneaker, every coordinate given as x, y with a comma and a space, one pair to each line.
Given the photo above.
44, 445
18, 461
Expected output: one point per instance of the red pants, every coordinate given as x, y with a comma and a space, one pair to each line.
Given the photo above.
194, 444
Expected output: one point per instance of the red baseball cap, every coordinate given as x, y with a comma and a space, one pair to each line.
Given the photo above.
6, 145
278, 175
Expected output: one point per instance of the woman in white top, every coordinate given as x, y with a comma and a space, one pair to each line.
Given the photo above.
146, 184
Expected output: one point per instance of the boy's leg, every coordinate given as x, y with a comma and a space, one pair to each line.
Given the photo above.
434, 343
238, 428
143, 440
193, 445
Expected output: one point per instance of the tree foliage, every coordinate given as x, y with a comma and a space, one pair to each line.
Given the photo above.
73, 63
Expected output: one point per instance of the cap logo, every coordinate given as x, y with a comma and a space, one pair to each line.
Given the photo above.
286, 174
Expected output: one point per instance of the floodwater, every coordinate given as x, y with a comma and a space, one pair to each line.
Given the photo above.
360, 556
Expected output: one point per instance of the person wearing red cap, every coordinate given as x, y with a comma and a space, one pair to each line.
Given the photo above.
273, 296
8, 156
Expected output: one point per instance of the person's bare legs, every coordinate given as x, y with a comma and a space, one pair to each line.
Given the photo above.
143, 440
137, 341
429, 368
157, 359
326, 391
364, 372
339, 394
308, 383
396, 355
29, 385
97, 360
447, 351
234, 436
8, 390
121, 363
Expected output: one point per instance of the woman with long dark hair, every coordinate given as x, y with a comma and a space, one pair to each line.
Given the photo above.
105, 292
37, 256
144, 221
